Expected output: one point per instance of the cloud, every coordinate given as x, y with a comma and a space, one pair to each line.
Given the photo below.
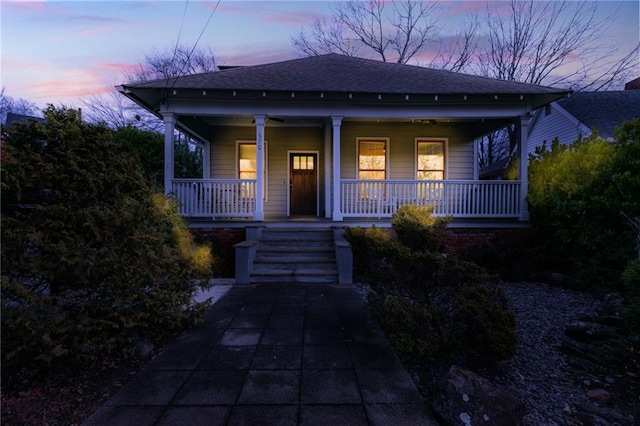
115, 66
268, 12
69, 86
254, 55
24, 5
85, 32
454, 8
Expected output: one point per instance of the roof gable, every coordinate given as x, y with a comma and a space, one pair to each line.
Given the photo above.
603, 110
338, 73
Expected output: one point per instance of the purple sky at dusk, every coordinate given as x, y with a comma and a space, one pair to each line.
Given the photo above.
61, 51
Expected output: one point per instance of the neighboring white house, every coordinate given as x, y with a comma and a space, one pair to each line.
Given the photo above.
580, 114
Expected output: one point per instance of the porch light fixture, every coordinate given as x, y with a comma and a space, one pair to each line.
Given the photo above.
321, 95
264, 94
428, 121
293, 94
406, 97
204, 93
464, 97
379, 97
175, 92
234, 93
495, 97
435, 98
350, 95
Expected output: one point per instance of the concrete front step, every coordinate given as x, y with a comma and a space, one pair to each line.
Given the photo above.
294, 258
295, 255
300, 275
297, 243
301, 279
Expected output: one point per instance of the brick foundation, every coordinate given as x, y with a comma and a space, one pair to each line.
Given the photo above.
460, 239
222, 240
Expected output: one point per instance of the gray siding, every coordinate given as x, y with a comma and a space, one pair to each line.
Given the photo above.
281, 140
548, 127
402, 140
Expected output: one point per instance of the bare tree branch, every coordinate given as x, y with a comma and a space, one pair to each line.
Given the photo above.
117, 111
398, 33
17, 106
542, 42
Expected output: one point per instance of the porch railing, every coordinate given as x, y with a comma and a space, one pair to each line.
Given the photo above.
457, 198
360, 198
215, 197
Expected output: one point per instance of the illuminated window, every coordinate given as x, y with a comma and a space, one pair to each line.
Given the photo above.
430, 159
303, 162
372, 159
247, 165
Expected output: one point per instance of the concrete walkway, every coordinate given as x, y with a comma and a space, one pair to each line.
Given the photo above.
274, 355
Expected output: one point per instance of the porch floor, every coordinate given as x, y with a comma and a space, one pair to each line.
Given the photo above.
322, 222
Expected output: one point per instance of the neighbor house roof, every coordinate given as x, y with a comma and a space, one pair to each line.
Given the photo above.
633, 84
603, 110
338, 73
21, 118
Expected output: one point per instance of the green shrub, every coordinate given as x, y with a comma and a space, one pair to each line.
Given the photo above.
417, 228
433, 306
576, 195
91, 258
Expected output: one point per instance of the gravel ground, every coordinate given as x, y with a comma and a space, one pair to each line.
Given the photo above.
538, 374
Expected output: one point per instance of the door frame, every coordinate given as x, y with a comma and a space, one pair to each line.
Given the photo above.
288, 184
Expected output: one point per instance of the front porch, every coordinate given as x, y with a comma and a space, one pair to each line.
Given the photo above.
221, 199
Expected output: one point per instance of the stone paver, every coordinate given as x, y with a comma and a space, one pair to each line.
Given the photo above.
274, 354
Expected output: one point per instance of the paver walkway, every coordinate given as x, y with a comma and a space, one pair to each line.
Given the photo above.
274, 355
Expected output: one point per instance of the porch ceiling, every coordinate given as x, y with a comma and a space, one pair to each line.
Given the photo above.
201, 126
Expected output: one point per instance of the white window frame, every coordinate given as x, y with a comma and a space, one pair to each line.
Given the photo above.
386, 140
266, 162
445, 141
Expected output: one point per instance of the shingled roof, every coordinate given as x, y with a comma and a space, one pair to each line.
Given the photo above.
603, 110
338, 73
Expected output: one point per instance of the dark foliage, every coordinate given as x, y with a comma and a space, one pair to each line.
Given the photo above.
579, 197
147, 147
91, 259
434, 307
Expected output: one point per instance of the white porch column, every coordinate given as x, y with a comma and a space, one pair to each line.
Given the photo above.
327, 170
523, 170
169, 128
476, 171
259, 213
337, 213
206, 160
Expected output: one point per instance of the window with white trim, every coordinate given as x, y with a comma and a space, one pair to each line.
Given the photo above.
430, 159
372, 158
246, 163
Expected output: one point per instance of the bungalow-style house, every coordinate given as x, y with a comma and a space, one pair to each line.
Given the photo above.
579, 115
336, 138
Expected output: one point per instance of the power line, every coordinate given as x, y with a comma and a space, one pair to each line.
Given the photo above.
175, 49
175, 80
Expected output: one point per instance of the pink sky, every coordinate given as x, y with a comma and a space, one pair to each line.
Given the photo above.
62, 51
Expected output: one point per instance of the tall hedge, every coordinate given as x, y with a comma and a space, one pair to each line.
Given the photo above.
577, 196
92, 259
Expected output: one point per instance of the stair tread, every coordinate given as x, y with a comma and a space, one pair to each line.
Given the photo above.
295, 255
294, 259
